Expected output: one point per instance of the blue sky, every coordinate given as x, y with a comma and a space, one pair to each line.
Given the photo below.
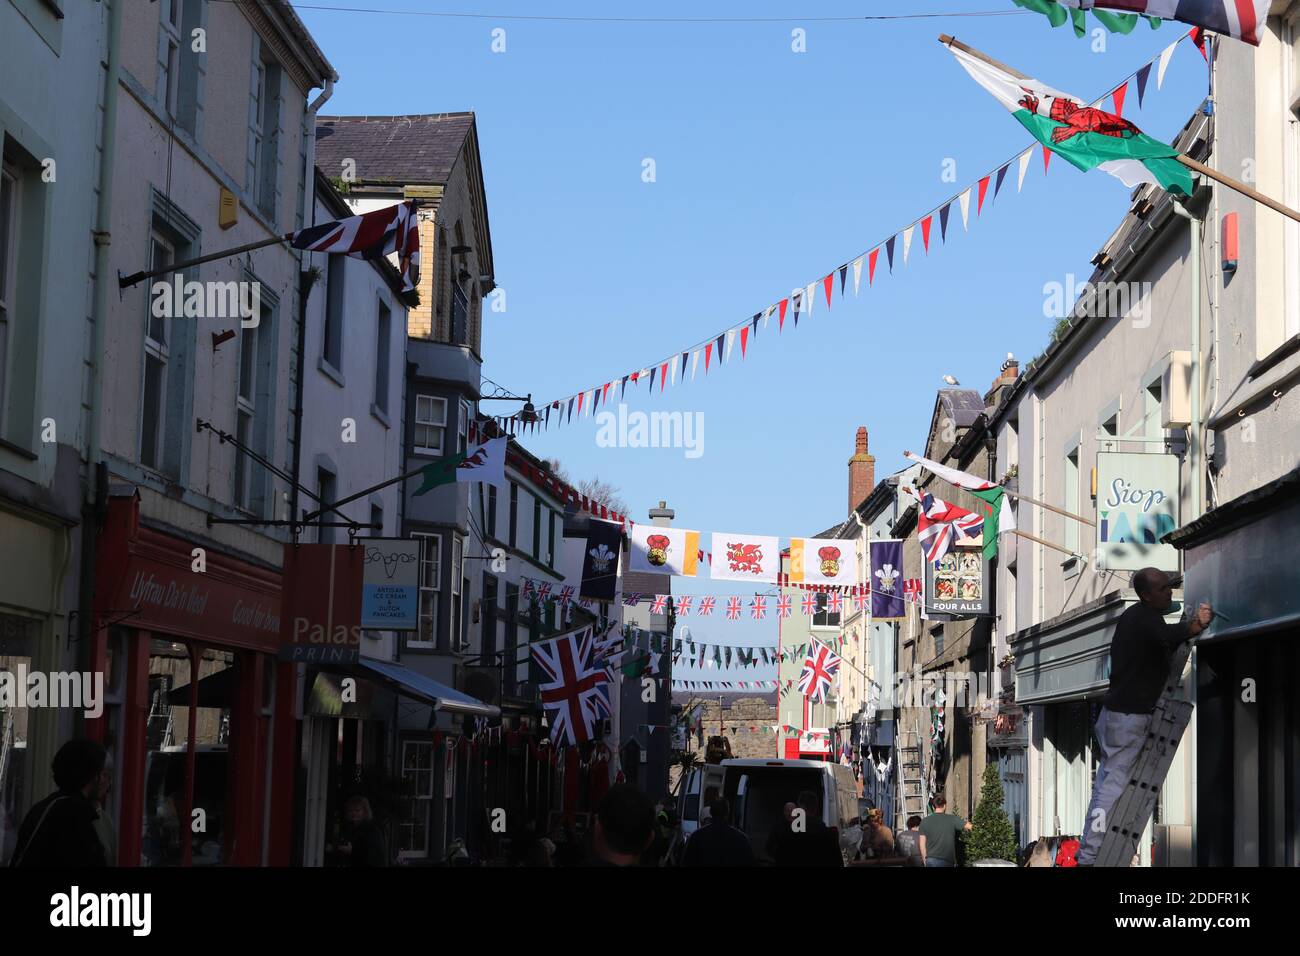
772, 167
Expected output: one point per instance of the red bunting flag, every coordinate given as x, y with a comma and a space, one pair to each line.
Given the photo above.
925, 231
1118, 98
708, 350
871, 264
663, 375
581, 396
1047, 158
984, 187
781, 320
827, 283
744, 337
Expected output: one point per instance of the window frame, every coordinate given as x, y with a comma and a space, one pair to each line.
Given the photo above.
10, 179
383, 351
440, 427
430, 557
159, 352
416, 798
171, 30
823, 599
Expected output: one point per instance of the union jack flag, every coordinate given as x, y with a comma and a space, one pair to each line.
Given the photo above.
543, 590
818, 668
684, 605
706, 605
809, 604
938, 523
758, 608
575, 691
862, 598
632, 599
372, 235
566, 594
528, 586
733, 609
658, 604
912, 590
783, 606
834, 602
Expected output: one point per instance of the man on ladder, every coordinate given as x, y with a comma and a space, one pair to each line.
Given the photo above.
1141, 653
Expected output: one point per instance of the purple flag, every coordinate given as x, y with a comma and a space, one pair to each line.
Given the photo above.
886, 580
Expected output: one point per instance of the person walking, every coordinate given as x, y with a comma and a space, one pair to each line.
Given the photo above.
940, 831
365, 846
1140, 656
806, 840
910, 843
718, 843
61, 831
625, 826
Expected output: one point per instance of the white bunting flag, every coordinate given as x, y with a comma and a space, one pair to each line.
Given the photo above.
1024, 166
812, 295
695, 362
1165, 56
965, 208
907, 242
857, 274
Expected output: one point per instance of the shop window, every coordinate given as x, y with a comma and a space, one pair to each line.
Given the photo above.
416, 799
168, 745
17, 645
822, 615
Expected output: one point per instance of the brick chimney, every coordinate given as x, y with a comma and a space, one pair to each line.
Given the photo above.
1007, 376
862, 471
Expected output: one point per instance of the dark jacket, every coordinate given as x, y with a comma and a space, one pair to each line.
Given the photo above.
1140, 654
60, 832
817, 845
367, 845
718, 844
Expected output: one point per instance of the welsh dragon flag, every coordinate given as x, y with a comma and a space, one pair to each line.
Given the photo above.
486, 462
999, 518
1083, 136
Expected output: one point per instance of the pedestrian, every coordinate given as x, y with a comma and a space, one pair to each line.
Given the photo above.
878, 839
719, 843
625, 826
1140, 655
775, 840
365, 843
806, 840
710, 794
60, 831
911, 842
940, 831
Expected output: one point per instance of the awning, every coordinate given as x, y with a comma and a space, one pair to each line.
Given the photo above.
438, 696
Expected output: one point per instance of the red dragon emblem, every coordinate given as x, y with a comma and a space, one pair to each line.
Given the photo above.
745, 557
1080, 119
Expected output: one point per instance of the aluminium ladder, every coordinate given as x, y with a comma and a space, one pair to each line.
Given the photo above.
1133, 808
912, 797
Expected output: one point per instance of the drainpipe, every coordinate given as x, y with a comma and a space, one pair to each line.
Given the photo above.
304, 292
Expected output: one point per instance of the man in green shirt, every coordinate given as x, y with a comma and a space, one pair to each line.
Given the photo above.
940, 830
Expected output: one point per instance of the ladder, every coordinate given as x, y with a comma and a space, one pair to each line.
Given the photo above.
1133, 809
912, 798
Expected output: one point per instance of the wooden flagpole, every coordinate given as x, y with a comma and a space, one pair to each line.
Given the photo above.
125, 282
1186, 160
1044, 504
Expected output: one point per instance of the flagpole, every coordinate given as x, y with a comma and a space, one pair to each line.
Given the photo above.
1044, 504
125, 282
1044, 542
1186, 160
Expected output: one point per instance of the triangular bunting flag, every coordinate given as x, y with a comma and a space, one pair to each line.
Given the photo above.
889, 251
943, 221
695, 363
844, 274
708, 352
983, 188
907, 242
781, 318
1143, 75
827, 282
744, 337
1024, 165
964, 201
1166, 55
718, 349
925, 231
1117, 98
857, 274
871, 264
811, 296
997, 183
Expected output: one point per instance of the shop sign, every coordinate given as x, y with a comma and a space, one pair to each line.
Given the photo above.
959, 585
321, 623
390, 587
1137, 505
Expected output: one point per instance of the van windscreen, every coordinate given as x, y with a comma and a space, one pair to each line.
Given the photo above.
762, 808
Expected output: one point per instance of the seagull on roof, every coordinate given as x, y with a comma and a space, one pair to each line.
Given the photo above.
950, 380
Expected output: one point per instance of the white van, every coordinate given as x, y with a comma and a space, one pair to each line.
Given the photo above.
759, 789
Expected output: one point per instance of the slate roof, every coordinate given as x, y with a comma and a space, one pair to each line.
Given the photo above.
962, 405
419, 149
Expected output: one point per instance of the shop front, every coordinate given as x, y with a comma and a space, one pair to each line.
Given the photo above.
187, 642
1240, 558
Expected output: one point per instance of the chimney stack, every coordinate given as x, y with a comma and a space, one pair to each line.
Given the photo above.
862, 471
1007, 376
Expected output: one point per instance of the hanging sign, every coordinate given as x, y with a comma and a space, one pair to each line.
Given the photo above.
1137, 505
959, 585
390, 585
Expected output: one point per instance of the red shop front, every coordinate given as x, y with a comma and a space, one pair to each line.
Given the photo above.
187, 643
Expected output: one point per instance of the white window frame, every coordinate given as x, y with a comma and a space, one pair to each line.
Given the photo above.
256, 129
158, 350
10, 178
245, 411
458, 640
813, 626
172, 30
440, 426
462, 430
430, 557
418, 798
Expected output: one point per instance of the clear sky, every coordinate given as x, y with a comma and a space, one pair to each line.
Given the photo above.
771, 168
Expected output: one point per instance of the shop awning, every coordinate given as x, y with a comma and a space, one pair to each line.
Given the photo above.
438, 696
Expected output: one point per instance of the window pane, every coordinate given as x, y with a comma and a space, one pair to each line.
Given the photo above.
151, 421
247, 356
